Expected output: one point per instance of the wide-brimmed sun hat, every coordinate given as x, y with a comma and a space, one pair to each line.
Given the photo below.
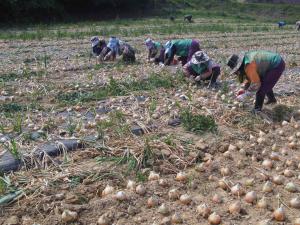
149, 43
235, 62
200, 57
95, 40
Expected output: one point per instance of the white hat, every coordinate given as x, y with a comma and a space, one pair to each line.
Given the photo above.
95, 40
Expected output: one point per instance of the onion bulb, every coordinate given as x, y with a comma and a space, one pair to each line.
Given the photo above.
108, 190
288, 173
262, 203
267, 164
174, 194
121, 196
279, 214
274, 156
131, 185
140, 189
185, 199
232, 148
217, 199
268, 187
249, 182
225, 171
223, 184
163, 183
291, 187
237, 190
163, 209
214, 218
69, 216
278, 179
152, 202
153, 176
203, 210
176, 218
251, 197
235, 207
181, 176
295, 203
103, 220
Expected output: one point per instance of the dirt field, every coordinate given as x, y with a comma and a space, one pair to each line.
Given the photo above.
51, 89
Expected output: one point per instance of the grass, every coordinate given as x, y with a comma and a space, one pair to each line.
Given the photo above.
119, 88
197, 123
12, 107
281, 112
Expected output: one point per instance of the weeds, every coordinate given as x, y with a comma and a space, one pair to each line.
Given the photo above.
17, 124
12, 147
197, 123
71, 126
12, 107
281, 112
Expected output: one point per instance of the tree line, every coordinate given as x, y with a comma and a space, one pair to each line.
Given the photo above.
55, 10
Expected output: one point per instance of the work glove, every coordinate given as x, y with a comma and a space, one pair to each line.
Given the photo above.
240, 92
243, 97
198, 78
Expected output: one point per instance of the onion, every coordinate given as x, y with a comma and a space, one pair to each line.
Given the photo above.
251, 138
163, 183
278, 179
261, 133
103, 220
181, 176
163, 209
108, 190
251, 197
290, 163
153, 176
288, 173
274, 147
291, 187
131, 185
121, 196
223, 184
298, 134
297, 221
225, 171
237, 190
284, 151
203, 210
174, 194
165, 221
185, 199
284, 123
140, 189
176, 218
267, 164
235, 207
152, 202
262, 203
268, 187
232, 148
295, 203
292, 145
249, 182
200, 167
227, 154
261, 140
217, 199
214, 218
279, 214
69, 216
274, 156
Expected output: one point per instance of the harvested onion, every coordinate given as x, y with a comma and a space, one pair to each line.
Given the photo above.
295, 203
140, 189
152, 202
174, 194
203, 210
214, 219
262, 203
185, 199
181, 176
251, 197
108, 190
235, 207
237, 190
153, 176
279, 214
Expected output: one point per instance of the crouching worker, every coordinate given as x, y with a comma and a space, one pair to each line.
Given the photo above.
155, 51
183, 48
127, 52
116, 47
260, 71
201, 67
97, 46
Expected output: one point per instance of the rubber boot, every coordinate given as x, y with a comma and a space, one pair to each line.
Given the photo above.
271, 98
213, 78
258, 103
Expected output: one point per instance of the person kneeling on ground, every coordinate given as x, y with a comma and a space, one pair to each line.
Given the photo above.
184, 48
201, 67
114, 47
154, 49
260, 71
97, 46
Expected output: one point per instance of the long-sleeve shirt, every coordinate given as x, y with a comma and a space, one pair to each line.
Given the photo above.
177, 47
257, 64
